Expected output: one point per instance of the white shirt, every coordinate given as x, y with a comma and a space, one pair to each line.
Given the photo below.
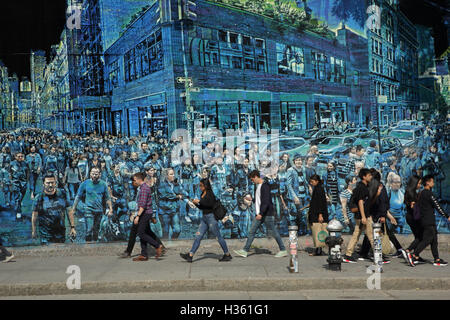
258, 199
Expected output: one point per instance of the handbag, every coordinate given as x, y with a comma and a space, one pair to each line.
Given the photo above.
416, 209
319, 233
386, 244
219, 210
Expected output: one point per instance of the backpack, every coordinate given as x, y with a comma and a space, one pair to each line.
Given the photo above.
219, 210
352, 205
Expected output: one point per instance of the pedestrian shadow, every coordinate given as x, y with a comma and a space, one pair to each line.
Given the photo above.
209, 255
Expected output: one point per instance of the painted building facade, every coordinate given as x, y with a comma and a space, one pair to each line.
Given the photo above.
244, 71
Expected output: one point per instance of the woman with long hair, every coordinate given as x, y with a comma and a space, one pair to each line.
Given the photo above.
206, 203
318, 209
411, 197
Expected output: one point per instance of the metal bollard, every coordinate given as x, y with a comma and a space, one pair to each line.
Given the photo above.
377, 248
334, 242
293, 246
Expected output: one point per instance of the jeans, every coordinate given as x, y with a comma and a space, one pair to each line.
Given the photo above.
33, 180
17, 196
145, 234
170, 220
133, 235
297, 217
208, 222
270, 223
73, 188
93, 220
335, 212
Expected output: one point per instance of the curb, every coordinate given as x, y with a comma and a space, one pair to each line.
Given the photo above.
249, 284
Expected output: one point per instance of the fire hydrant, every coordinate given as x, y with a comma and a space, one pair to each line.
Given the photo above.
293, 249
377, 247
334, 242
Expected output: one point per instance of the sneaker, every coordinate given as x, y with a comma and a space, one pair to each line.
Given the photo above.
398, 254
241, 253
410, 259
124, 255
386, 260
404, 255
348, 259
364, 258
226, 257
186, 256
8, 259
420, 261
440, 263
188, 220
281, 254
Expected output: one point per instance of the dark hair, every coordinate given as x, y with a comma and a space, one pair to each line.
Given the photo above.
348, 180
411, 187
359, 147
427, 178
139, 175
363, 172
95, 167
207, 184
373, 143
49, 175
254, 174
375, 174
315, 177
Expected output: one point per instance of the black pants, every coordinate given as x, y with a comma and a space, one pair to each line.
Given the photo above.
365, 248
417, 230
429, 238
134, 234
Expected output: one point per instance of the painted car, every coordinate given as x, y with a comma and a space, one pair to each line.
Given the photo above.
289, 145
335, 147
361, 132
408, 136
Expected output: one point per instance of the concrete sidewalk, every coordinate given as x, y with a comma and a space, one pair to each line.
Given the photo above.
45, 273
112, 248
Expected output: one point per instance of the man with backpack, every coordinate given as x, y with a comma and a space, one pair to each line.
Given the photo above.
360, 206
265, 213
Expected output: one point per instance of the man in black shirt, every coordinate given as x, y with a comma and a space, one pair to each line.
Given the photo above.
427, 204
362, 216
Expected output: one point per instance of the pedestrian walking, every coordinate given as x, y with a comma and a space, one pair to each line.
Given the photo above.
206, 203
416, 227
427, 205
318, 209
265, 214
360, 205
143, 218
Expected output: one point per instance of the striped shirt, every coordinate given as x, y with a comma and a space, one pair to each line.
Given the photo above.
346, 194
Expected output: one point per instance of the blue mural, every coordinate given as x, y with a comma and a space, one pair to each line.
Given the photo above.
340, 93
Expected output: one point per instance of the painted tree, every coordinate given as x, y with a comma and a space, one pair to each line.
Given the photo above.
346, 9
